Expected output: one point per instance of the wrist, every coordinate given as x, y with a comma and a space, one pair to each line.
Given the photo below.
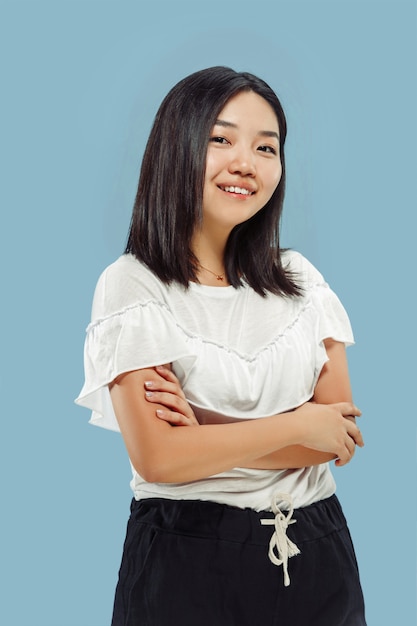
292, 424
301, 424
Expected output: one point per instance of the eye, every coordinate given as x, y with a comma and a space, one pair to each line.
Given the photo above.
220, 140
268, 149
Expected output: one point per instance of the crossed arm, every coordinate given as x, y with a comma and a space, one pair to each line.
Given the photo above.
160, 451
332, 387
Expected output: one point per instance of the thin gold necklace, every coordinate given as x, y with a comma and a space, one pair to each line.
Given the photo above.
218, 276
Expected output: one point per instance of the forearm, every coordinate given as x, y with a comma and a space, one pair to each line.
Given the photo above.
333, 386
187, 454
291, 457
163, 453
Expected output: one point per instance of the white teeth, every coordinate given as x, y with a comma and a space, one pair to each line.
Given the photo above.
244, 192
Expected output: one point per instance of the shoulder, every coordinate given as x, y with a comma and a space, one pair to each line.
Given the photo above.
125, 283
333, 320
302, 270
125, 271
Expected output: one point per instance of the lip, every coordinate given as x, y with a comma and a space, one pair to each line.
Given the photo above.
245, 186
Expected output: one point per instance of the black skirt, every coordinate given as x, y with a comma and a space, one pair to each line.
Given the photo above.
194, 563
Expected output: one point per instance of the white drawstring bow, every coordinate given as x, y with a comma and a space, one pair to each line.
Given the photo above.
285, 548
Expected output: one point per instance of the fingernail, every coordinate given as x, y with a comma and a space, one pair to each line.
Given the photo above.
160, 412
149, 383
149, 394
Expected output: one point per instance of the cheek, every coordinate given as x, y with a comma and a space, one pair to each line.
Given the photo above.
212, 164
275, 177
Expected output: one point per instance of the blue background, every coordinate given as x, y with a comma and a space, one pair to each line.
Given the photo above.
80, 84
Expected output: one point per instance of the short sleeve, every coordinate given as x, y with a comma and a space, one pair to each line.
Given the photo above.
131, 328
332, 321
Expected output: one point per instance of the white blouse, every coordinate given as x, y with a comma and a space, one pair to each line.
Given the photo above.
237, 356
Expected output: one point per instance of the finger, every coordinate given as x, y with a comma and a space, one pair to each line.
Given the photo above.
346, 455
348, 409
167, 373
176, 419
342, 460
164, 386
170, 401
359, 440
355, 433
169, 376
351, 418
350, 446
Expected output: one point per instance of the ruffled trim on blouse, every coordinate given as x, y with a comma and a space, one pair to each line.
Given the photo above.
140, 336
277, 377
333, 321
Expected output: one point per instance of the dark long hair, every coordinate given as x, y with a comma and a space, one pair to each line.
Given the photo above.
168, 204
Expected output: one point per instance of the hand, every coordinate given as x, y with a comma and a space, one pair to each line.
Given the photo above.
330, 428
168, 392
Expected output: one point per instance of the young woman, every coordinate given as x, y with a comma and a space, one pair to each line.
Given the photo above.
221, 359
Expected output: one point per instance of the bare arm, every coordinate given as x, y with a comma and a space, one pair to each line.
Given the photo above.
161, 452
333, 386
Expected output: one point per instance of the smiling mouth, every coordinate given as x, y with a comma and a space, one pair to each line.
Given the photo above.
239, 190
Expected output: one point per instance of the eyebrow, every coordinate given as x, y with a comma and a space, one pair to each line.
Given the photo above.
261, 133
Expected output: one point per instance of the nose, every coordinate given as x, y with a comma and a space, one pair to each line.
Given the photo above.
242, 162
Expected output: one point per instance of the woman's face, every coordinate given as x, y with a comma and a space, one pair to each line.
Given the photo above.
243, 166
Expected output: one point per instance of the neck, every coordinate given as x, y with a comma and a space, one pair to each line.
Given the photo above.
210, 255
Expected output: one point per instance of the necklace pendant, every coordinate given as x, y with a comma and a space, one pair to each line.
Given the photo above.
217, 276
